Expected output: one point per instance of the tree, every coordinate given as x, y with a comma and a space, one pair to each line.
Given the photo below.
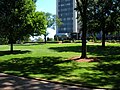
18, 19
36, 22
82, 9
51, 21
93, 14
35, 25
13, 14
107, 13
102, 16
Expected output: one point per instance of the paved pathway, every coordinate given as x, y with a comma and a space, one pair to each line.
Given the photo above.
10, 82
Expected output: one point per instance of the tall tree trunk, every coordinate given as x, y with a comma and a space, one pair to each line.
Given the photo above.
11, 44
11, 47
84, 29
103, 38
45, 38
103, 33
82, 8
84, 47
11, 41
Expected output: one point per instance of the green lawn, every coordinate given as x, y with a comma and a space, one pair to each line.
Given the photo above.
48, 61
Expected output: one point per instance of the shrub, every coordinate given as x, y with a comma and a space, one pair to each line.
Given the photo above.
78, 41
66, 41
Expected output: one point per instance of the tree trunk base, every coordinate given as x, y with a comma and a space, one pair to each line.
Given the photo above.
79, 59
83, 57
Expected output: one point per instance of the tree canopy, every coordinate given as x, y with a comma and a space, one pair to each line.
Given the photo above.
96, 16
52, 21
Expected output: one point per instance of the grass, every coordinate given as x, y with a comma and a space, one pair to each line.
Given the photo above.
48, 61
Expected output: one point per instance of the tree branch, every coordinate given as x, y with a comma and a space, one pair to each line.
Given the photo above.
79, 8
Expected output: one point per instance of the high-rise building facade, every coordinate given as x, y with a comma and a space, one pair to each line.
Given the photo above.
65, 11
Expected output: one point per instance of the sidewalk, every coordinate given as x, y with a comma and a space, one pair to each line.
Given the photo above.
10, 82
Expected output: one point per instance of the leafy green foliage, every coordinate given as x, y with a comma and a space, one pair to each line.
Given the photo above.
101, 16
52, 20
14, 14
19, 19
36, 22
108, 11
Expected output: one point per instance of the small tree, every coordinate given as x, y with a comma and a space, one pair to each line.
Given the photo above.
52, 20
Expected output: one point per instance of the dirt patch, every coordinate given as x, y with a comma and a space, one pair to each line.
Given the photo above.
90, 59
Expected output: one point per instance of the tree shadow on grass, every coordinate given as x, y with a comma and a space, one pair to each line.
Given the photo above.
2, 53
91, 49
105, 74
48, 68
32, 65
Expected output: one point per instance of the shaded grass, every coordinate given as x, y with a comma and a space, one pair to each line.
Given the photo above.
50, 68
2, 53
95, 50
48, 62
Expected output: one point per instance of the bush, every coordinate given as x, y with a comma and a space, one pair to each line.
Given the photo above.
78, 41
66, 41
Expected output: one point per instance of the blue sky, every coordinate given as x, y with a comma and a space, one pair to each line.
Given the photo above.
46, 6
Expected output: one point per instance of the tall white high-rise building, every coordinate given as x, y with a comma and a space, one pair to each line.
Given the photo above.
65, 11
